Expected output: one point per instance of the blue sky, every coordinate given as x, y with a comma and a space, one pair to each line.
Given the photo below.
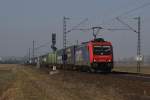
22, 21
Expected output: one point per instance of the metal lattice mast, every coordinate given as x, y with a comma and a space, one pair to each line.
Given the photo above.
64, 33
64, 37
139, 44
29, 54
33, 48
138, 31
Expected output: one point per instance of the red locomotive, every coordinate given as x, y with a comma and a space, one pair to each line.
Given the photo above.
95, 55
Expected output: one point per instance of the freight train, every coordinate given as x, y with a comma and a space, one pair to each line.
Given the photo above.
94, 55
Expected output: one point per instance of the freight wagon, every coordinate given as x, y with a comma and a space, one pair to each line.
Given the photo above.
48, 59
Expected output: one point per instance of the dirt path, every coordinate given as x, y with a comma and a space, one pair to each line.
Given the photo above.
28, 83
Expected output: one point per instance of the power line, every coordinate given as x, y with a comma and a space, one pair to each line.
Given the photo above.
135, 9
138, 39
122, 22
43, 45
127, 12
74, 28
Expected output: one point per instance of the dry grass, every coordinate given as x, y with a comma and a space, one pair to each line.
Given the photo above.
7, 77
19, 82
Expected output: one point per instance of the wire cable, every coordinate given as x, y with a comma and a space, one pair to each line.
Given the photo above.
135, 9
126, 13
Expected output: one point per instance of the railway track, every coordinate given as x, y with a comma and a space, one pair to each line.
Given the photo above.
122, 85
133, 76
115, 74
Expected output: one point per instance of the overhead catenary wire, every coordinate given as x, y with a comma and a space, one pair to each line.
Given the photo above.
118, 18
135, 9
122, 22
38, 49
74, 27
126, 13
43, 45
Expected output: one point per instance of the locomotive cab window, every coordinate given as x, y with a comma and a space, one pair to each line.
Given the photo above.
102, 50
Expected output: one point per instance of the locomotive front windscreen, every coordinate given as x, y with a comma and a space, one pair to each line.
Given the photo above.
102, 50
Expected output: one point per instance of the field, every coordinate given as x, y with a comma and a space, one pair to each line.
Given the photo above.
19, 82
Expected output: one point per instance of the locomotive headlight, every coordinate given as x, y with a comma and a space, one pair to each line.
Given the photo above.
94, 60
109, 60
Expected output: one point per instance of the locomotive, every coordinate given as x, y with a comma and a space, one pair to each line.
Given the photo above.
94, 55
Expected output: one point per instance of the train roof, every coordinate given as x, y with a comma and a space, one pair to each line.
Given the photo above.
95, 40
98, 40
